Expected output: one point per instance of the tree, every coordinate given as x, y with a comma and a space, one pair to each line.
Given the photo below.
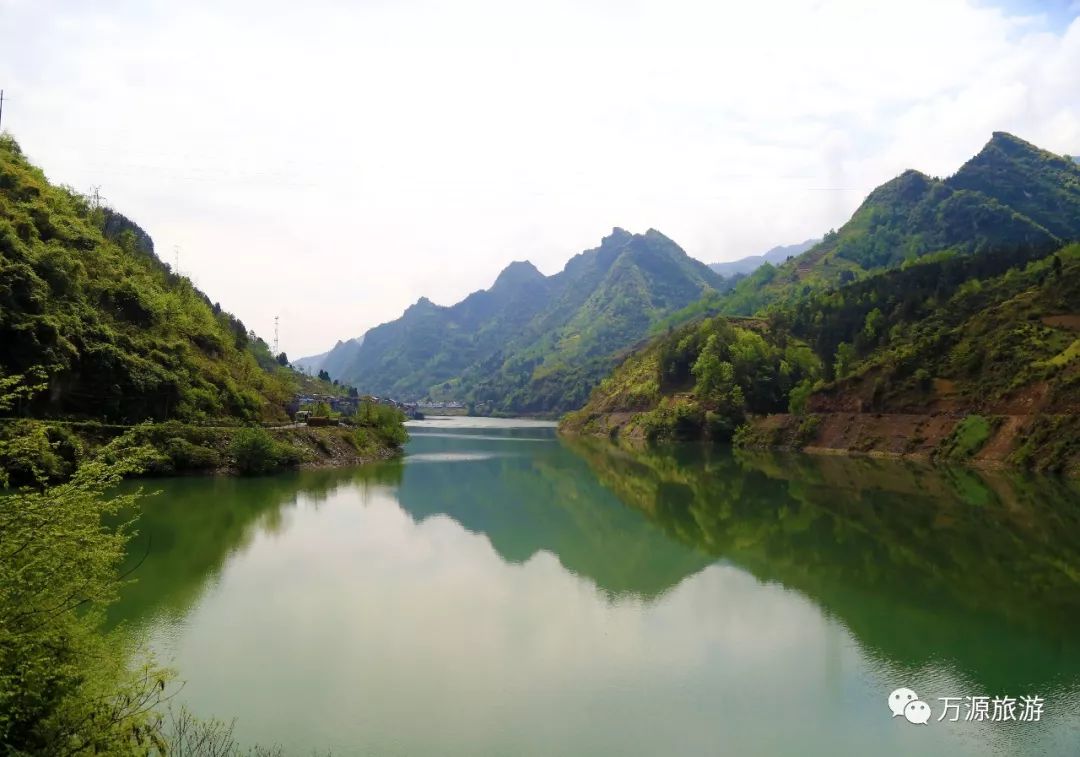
255, 451
845, 359
324, 376
282, 360
66, 687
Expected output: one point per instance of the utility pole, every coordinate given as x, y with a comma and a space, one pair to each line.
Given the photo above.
276, 350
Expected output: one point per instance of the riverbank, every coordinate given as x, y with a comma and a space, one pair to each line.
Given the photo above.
1039, 442
36, 450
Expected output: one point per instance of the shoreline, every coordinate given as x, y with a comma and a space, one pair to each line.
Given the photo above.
1036, 443
172, 448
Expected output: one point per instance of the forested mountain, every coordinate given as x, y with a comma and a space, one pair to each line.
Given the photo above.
100, 328
749, 264
954, 335
1012, 194
532, 343
950, 357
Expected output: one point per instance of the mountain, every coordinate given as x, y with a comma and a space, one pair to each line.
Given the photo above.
941, 321
312, 364
332, 361
532, 343
1035, 183
103, 328
775, 256
1012, 194
955, 357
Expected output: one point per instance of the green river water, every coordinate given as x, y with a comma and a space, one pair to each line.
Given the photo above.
500, 591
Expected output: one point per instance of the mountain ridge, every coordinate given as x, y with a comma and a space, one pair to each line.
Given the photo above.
938, 322
747, 265
528, 328
914, 214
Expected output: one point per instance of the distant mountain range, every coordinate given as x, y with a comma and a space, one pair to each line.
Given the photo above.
333, 361
539, 344
530, 343
775, 256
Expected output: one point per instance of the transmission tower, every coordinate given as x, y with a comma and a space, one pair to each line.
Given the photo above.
276, 350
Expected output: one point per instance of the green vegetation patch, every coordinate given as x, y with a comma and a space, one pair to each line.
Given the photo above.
968, 437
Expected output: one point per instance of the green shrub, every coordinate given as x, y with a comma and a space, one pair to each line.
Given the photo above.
33, 453
385, 421
800, 394
188, 456
807, 430
255, 452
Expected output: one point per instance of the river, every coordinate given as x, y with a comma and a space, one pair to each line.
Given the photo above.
501, 591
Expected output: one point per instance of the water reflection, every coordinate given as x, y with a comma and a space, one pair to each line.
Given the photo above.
188, 528
488, 596
921, 564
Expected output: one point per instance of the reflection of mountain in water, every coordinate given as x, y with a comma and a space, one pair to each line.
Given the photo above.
185, 534
526, 497
918, 563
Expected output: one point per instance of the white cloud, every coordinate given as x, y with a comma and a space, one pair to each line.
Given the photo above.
332, 162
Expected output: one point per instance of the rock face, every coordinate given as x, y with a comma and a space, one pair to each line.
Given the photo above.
531, 343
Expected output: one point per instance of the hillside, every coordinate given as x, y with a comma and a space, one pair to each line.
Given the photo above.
532, 343
699, 381
102, 329
964, 366
957, 357
1012, 194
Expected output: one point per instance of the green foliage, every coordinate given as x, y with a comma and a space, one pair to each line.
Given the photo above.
701, 381
800, 393
968, 437
321, 410
1052, 444
65, 687
1012, 197
89, 310
985, 323
382, 423
35, 454
255, 452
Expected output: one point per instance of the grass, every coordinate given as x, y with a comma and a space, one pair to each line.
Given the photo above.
969, 436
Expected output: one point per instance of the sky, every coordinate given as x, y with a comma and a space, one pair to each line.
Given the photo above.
332, 162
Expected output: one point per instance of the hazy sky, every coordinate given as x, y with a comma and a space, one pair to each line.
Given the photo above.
331, 162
